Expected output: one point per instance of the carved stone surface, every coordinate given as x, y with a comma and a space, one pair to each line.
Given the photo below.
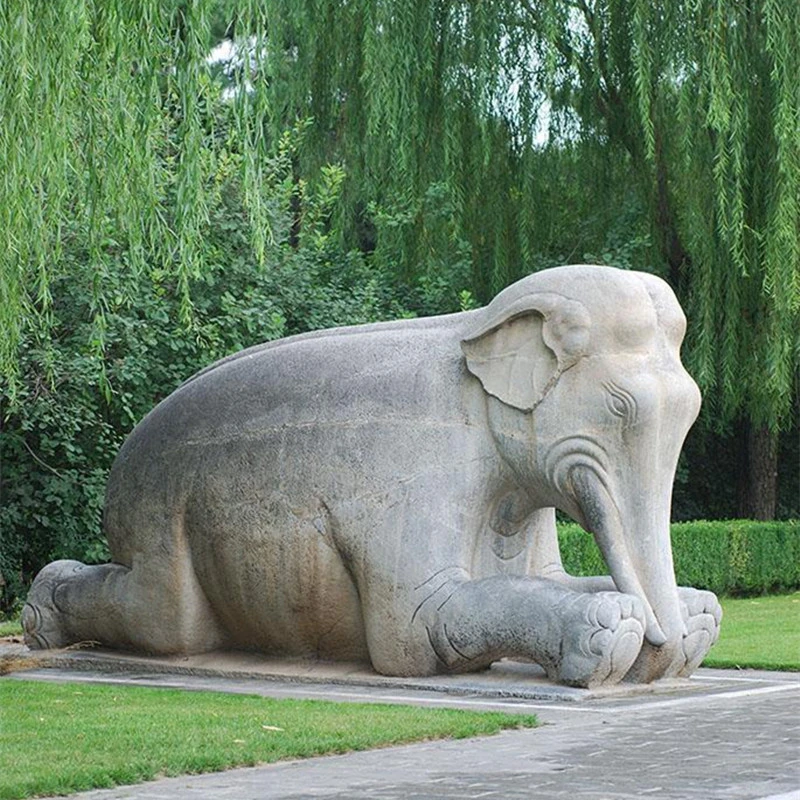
386, 493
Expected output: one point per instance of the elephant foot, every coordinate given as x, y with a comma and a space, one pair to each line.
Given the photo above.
702, 614
602, 636
43, 622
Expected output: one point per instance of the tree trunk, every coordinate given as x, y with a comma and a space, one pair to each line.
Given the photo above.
758, 479
670, 241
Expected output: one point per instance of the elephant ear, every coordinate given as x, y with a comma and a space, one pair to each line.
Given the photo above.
520, 351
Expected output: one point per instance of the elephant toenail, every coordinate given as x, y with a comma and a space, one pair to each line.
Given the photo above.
609, 614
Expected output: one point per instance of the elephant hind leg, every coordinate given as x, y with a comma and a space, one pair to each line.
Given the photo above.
159, 611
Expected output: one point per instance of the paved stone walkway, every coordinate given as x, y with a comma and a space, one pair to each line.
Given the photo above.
731, 736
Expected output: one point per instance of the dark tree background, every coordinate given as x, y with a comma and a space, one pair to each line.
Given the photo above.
360, 160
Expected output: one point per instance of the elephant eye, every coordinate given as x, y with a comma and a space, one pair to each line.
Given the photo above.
621, 403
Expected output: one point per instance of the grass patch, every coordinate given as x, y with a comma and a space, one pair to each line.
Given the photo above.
10, 628
758, 633
63, 738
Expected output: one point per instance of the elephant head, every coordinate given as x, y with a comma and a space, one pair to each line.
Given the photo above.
589, 404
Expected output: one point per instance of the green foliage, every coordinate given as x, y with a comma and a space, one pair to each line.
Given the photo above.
579, 552
87, 377
86, 117
91, 736
738, 557
362, 161
735, 557
710, 474
58, 442
505, 137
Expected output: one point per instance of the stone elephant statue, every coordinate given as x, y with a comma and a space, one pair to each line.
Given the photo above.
387, 493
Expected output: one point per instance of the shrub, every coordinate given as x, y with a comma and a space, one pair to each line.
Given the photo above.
731, 557
58, 441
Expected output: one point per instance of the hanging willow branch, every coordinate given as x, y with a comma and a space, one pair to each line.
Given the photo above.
439, 110
86, 90
700, 97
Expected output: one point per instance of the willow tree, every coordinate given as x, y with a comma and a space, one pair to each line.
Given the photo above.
108, 149
704, 98
481, 140
694, 104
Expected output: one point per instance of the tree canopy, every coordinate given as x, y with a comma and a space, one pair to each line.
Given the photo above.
695, 104
364, 159
480, 141
459, 145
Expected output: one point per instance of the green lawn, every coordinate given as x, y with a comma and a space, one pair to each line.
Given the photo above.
62, 738
10, 628
759, 632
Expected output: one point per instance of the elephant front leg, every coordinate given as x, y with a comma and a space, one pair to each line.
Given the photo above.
581, 639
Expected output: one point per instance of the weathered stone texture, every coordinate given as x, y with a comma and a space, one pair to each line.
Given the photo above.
387, 492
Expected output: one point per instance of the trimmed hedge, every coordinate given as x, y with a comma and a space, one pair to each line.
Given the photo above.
729, 557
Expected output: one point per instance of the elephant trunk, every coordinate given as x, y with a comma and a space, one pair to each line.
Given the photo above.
636, 546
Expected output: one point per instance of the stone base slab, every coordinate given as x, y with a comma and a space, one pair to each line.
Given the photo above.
504, 679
